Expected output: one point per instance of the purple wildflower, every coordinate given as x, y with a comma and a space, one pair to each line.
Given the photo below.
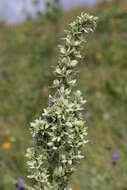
115, 156
20, 184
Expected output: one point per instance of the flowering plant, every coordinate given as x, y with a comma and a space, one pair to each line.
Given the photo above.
59, 135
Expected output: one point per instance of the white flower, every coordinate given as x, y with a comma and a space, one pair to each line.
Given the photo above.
60, 134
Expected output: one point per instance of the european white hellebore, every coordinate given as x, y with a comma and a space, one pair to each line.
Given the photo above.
59, 135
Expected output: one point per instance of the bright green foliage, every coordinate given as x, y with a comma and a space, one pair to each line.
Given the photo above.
60, 133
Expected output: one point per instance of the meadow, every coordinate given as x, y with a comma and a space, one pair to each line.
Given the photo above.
28, 55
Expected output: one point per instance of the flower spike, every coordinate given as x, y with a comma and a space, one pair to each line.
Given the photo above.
59, 135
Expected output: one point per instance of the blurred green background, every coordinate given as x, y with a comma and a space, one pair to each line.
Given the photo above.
28, 53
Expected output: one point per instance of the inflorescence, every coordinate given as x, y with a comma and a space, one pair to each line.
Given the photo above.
59, 135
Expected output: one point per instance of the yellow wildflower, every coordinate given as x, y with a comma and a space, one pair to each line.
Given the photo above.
125, 8
99, 56
115, 21
6, 145
12, 139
